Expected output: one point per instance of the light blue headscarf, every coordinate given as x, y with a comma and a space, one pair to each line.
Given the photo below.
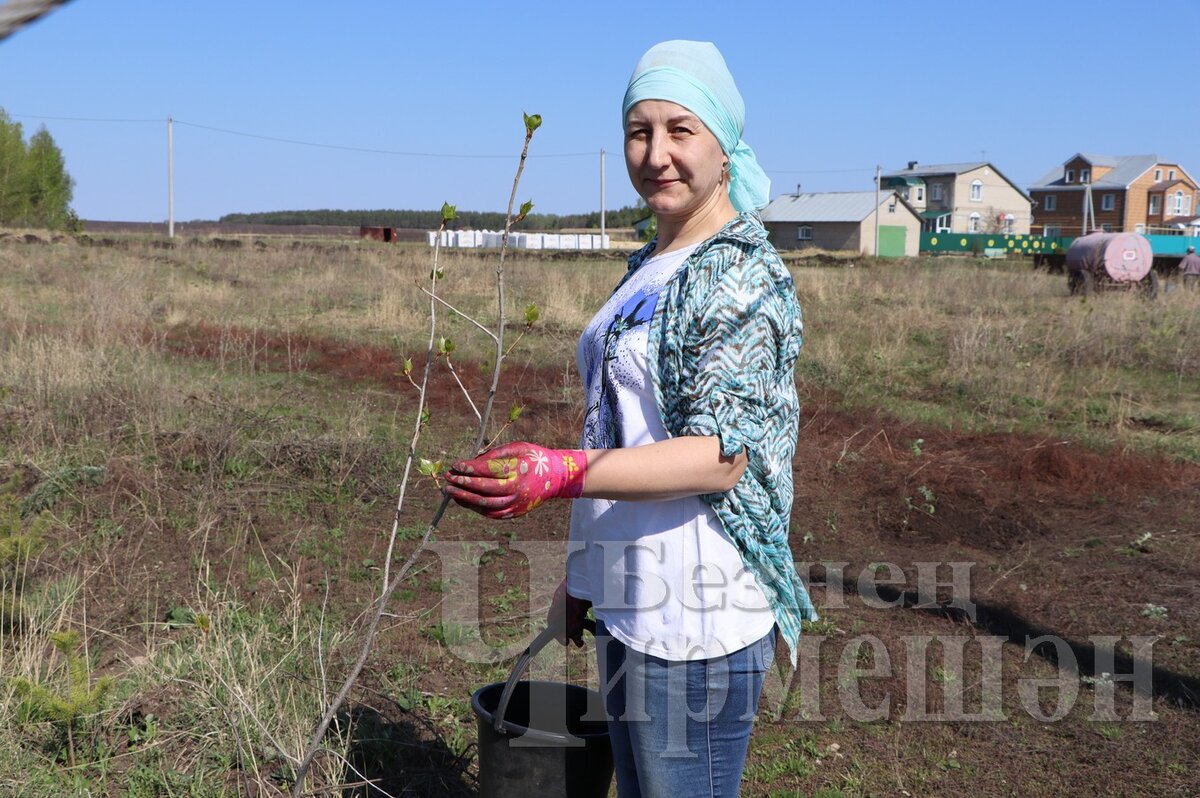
694, 75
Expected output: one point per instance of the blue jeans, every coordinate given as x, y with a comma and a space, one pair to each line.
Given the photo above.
680, 729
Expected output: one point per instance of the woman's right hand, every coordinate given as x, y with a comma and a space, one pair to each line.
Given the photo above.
567, 615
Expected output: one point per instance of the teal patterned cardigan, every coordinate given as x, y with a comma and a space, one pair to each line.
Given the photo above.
723, 344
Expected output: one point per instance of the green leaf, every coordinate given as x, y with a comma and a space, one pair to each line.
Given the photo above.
180, 616
436, 274
532, 314
514, 412
426, 467
425, 415
526, 207
445, 346
449, 212
532, 122
407, 366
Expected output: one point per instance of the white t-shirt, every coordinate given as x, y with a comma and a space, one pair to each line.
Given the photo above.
663, 575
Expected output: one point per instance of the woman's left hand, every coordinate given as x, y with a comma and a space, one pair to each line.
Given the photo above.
513, 479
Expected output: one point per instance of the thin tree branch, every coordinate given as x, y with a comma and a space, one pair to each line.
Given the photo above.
508, 223
390, 583
453, 309
314, 744
450, 366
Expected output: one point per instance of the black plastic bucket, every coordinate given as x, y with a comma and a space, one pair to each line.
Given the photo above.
541, 739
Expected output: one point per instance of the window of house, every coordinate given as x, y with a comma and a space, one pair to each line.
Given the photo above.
1010, 224
1051, 230
891, 207
976, 190
1139, 228
1157, 175
935, 192
804, 233
920, 193
1187, 204
1171, 175
1070, 178
1178, 203
1106, 228
1085, 175
1154, 198
1050, 202
973, 223
1108, 202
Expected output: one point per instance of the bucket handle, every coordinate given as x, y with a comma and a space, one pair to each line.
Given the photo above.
539, 642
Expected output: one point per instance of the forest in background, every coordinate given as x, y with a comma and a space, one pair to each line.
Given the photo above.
429, 220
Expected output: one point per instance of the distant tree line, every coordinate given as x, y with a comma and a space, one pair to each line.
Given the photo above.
35, 189
429, 220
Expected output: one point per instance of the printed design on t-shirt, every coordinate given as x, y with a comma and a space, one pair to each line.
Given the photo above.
602, 424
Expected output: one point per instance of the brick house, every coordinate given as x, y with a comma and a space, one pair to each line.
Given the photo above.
970, 197
1129, 193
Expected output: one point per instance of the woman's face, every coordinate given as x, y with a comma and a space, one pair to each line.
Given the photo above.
674, 161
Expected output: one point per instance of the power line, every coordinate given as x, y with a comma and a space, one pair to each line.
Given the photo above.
79, 118
303, 143
374, 151
400, 153
816, 171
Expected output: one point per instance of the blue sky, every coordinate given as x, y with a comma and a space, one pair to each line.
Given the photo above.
831, 90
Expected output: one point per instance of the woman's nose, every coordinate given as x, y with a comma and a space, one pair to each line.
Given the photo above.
657, 153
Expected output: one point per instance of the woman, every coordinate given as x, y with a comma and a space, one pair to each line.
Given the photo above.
683, 484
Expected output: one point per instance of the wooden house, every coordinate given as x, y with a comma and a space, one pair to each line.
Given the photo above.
1121, 193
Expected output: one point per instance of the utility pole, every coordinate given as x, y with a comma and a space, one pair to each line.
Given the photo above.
878, 169
170, 177
1089, 209
602, 227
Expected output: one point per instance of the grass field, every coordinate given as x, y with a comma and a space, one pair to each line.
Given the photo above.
201, 444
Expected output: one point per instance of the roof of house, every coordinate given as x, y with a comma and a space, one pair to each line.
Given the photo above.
933, 170
1125, 169
1094, 160
835, 206
929, 170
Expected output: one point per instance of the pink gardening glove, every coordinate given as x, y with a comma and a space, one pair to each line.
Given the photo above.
515, 478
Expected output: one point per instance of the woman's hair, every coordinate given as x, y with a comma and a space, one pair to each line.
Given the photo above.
694, 75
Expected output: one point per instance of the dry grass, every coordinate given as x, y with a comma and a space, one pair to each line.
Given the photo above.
999, 346
960, 342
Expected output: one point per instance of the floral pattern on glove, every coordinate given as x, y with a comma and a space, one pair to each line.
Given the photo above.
511, 480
